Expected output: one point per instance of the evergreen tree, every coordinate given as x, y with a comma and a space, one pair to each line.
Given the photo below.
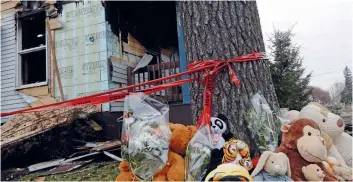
346, 94
291, 85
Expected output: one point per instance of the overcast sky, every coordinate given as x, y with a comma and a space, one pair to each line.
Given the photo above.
323, 29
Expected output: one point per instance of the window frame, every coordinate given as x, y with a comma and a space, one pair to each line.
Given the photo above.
20, 52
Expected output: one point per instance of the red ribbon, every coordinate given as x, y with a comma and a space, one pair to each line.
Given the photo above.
210, 68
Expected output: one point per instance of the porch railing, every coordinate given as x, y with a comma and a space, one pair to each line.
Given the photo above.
152, 72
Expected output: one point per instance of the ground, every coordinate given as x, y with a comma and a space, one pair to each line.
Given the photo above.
103, 171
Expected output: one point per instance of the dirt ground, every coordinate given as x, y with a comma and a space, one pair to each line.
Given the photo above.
103, 171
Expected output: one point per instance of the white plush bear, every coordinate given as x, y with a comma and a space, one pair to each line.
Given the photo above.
333, 126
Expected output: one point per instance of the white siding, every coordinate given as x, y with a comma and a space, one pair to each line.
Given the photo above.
10, 99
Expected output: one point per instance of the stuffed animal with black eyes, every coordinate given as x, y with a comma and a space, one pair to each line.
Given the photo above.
220, 134
220, 131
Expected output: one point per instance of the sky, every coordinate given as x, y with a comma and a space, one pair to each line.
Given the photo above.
323, 29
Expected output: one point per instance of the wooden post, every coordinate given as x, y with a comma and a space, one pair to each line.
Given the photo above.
52, 50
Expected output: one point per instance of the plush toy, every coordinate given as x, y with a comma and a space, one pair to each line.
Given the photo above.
237, 152
220, 131
342, 173
292, 115
272, 167
175, 168
229, 172
303, 145
333, 126
313, 172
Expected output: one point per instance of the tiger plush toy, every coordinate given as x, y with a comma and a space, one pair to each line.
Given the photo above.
237, 152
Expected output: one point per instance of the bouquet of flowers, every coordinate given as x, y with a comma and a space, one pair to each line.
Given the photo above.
198, 154
145, 136
261, 122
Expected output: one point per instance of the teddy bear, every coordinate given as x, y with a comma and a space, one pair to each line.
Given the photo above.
313, 172
175, 168
272, 167
332, 126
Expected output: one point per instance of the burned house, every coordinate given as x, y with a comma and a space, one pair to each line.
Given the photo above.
96, 46
53, 51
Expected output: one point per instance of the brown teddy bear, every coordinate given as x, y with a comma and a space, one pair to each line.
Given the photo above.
175, 168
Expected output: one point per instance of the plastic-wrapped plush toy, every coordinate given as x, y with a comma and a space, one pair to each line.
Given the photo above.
175, 168
237, 152
272, 167
229, 172
219, 125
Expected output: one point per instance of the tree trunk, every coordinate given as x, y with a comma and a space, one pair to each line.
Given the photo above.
224, 30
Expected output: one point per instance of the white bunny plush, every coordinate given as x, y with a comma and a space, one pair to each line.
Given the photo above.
272, 167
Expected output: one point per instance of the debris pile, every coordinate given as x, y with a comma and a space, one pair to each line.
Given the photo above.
56, 141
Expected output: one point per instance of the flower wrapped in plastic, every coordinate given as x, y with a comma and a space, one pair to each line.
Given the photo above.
262, 124
198, 154
145, 135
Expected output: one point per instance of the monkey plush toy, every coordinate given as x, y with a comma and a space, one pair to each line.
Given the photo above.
302, 143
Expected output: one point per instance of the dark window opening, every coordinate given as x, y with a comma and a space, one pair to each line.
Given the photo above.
33, 30
154, 26
33, 67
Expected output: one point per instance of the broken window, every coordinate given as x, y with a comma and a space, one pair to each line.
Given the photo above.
154, 26
32, 50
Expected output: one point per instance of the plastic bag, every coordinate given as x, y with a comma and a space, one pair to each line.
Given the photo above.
198, 154
261, 122
145, 135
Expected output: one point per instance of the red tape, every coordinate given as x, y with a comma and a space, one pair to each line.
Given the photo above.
210, 68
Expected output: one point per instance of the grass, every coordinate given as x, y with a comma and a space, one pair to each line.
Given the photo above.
103, 171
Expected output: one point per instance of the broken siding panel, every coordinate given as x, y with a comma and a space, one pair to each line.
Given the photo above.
118, 71
116, 106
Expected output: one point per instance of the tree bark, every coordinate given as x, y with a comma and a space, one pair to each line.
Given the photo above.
224, 30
